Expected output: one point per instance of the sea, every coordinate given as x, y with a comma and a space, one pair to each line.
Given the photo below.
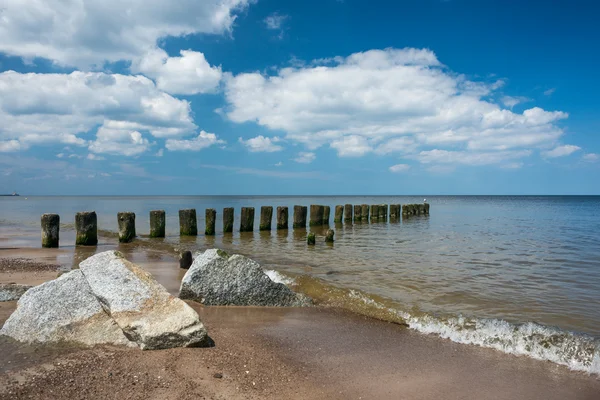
520, 274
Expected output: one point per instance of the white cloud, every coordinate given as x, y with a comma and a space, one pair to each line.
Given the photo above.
188, 74
262, 144
8, 146
120, 142
202, 141
57, 108
95, 157
511, 101
275, 21
562, 151
389, 101
398, 168
279, 164
160, 153
305, 157
469, 158
591, 157
550, 91
83, 33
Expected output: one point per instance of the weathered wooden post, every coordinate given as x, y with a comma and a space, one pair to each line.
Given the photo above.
339, 214
185, 259
310, 239
426, 208
210, 216
365, 212
247, 219
329, 236
326, 214
405, 210
157, 223
188, 224
266, 217
50, 230
228, 220
394, 211
383, 212
282, 217
86, 228
374, 212
126, 226
316, 215
348, 213
357, 213
300, 216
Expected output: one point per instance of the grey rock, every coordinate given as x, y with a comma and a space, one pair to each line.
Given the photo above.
12, 291
146, 313
218, 279
185, 259
62, 310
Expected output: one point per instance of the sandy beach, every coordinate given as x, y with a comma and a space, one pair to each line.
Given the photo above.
299, 353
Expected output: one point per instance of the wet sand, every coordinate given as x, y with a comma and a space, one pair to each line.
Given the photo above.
270, 353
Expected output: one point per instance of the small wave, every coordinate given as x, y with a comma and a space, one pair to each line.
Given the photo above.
279, 278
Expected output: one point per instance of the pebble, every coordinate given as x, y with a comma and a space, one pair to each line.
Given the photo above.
218, 375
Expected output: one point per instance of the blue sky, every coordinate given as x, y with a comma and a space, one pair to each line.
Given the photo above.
299, 97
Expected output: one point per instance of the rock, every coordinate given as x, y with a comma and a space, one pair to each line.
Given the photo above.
210, 218
218, 279
311, 239
12, 291
146, 313
126, 226
218, 375
282, 217
157, 223
247, 219
50, 230
339, 213
185, 259
300, 216
86, 228
62, 310
329, 236
266, 217
228, 220
188, 223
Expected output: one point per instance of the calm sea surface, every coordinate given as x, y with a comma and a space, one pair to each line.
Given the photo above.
511, 262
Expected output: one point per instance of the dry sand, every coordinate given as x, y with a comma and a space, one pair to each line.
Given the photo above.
270, 353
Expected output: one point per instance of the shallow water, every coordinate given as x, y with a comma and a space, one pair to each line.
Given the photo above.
475, 259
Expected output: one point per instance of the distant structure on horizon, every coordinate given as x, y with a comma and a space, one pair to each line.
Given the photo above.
13, 194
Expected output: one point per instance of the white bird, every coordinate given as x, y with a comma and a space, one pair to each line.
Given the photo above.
424, 200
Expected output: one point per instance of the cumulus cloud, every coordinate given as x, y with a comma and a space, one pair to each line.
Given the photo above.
262, 144
7, 146
119, 141
305, 157
85, 33
95, 157
398, 168
562, 151
188, 74
591, 157
202, 141
59, 108
511, 101
275, 21
390, 101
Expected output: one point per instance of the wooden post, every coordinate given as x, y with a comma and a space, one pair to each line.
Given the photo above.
266, 217
86, 228
247, 219
210, 216
326, 213
339, 214
228, 220
126, 226
157, 223
300, 216
188, 224
357, 213
394, 211
374, 213
316, 215
50, 230
365, 212
282, 217
383, 212
348, 213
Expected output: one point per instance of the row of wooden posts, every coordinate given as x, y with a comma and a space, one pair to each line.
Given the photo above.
86, 223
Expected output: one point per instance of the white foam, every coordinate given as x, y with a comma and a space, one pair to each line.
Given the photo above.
278, 277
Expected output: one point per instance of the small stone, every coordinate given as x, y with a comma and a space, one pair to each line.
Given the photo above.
218, 375
311, 239
329, 236
185, 259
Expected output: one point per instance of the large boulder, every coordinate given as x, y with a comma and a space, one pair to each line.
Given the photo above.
147, 314
216, 278
62, 310
12, 291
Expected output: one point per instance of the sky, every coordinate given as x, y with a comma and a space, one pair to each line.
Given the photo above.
273, 97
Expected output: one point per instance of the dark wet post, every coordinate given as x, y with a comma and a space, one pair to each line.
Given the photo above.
185, 259
426, 208
383, 212
394, 211
326, 214
188, 224
157, 223
210, 216
126, 226
266, 217
339, 214
329, 236
365, 212
316, 215
405, 209
247, 219
300, 216
348, 213
50, 230
374, 213
310, 239
86, 228
357, 213
228, 220
282, 217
